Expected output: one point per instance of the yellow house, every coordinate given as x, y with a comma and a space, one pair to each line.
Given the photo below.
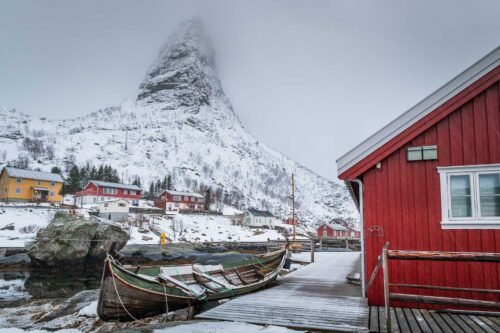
29, 185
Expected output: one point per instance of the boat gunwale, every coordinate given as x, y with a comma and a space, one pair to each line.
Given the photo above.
112, 264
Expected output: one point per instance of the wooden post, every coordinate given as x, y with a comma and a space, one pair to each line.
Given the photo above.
385, 269
293, 205
312, 251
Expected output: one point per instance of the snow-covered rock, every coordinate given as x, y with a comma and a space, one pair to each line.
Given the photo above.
181, 123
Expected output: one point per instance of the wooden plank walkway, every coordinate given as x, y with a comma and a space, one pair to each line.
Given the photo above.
428, 321
315, 297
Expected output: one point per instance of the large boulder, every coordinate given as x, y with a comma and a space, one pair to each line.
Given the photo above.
73, 240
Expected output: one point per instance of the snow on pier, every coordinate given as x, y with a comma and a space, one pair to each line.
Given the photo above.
314, 297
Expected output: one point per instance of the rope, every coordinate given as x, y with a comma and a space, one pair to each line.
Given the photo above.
166, 302
120, 299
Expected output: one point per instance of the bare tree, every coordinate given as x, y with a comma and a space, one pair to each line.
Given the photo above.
49, 150
22, 162
34, 147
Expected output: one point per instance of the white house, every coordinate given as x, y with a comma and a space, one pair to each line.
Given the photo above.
115, 210
259, 218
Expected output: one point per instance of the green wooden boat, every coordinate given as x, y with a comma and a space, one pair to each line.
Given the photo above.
130, 294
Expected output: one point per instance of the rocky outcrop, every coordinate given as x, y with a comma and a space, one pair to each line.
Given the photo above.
72, 240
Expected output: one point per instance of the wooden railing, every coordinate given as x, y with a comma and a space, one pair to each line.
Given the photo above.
389, 296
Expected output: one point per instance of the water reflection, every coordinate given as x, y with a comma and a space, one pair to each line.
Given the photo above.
38, 285
12, 286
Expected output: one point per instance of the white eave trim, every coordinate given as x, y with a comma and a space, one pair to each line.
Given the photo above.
419, 111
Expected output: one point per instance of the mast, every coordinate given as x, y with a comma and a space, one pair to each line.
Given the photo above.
293, 204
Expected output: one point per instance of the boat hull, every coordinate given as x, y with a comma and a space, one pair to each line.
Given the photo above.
125, 296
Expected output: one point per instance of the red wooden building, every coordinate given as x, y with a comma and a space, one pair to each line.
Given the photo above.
98, 191
176, 200
292, 221
430, 180
333, 230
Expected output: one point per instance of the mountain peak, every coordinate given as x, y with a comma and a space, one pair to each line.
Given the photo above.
183, 75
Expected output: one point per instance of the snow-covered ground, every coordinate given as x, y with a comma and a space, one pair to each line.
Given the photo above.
223, 327
20, 225
213, 228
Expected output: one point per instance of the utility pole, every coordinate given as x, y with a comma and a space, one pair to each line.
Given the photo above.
293, 204
126, 138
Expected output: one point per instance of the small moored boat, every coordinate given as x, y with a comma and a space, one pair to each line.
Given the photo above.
128, 294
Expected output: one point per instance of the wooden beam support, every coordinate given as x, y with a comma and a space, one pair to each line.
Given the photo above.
443, 300
443, 256
420, 286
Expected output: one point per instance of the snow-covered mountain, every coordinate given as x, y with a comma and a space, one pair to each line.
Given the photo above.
179, 123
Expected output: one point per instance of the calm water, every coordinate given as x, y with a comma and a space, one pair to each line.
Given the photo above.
21, 285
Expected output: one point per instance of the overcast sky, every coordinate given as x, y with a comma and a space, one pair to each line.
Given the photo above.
309, 78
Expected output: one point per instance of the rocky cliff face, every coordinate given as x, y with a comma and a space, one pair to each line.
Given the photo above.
181, 123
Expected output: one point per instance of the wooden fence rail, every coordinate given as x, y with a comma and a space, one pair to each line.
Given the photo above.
432, 256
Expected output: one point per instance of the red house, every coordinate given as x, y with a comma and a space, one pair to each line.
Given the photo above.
176, 200
430, 180
292, 221
333, 230
98, 191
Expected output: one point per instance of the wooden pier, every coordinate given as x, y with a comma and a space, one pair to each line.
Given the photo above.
428, 321
315, 297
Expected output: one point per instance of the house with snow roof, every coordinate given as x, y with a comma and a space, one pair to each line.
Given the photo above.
30, 185
177, 200
335, 230
259, 218
99, 191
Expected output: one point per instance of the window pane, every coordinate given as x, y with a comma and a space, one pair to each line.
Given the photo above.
489, 190
430, 153
415, 154
461, 207
460, 193
460, 185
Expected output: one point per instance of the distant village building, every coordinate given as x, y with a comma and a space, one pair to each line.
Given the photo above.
30, 186
292, 221
353, 233
115, 210
332, 230
259, 218
98, 191
176, 200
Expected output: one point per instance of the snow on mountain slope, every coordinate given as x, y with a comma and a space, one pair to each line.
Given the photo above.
181, 123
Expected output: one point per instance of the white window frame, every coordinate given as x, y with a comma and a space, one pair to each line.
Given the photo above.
110, 190
476, 221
